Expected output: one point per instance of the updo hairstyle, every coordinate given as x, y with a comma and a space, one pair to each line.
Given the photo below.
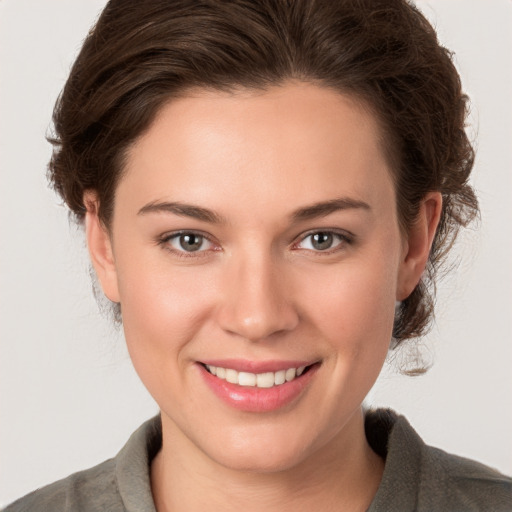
143, 53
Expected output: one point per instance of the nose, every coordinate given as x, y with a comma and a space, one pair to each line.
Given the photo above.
257, 302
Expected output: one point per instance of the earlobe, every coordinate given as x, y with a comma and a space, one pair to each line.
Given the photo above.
100, 247
418, 244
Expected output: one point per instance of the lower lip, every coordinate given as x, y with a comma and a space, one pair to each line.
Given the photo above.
253, 399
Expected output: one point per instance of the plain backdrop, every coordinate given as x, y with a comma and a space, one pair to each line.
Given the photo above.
69, 397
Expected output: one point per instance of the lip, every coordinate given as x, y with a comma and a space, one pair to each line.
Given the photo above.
253, 399
244, 365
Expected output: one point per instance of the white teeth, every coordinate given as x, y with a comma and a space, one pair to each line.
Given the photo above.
290, 374
231, 376
280, 377
265, 380
259, 380
246, 379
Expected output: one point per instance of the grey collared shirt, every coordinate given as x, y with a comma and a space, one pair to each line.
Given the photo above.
416, 477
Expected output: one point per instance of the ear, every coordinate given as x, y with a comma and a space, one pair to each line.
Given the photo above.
100, 247
418, 243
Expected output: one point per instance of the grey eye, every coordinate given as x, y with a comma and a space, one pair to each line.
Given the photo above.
321, 241
189, 242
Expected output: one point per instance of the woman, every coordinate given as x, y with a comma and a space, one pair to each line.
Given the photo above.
260, 184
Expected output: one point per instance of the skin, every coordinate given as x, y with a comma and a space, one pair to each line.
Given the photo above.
259, 290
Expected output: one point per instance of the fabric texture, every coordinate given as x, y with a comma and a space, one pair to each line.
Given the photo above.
417, 477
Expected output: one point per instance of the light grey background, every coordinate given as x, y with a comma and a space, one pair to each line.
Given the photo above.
68, 395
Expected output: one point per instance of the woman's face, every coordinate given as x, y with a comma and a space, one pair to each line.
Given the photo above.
256, 233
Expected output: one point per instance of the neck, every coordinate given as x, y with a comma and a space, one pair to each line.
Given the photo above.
342, 475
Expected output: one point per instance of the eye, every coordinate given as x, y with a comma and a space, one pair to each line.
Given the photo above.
188, 242
322, 241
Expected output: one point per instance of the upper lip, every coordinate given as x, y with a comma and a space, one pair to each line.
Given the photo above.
244, 365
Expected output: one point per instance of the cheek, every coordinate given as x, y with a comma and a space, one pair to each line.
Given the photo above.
163, 308
355, 303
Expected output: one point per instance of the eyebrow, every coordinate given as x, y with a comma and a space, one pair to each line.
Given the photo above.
183, 210
325, 208
313, 211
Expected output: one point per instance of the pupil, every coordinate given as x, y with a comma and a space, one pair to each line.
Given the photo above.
191, 242
322, 241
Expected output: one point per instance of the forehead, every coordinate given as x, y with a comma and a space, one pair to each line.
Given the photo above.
297, 142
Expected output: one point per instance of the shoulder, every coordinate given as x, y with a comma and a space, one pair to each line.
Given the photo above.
116, 485
468, 484
90, 490
419, 477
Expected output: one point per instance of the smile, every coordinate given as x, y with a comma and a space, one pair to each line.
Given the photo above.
258, 387
258, 380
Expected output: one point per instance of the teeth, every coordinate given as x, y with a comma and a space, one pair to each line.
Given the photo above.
259, 380
280, 377
265, 380
246, 379
290, 374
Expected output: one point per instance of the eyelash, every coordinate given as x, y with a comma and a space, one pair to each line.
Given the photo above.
344, 238
165, 239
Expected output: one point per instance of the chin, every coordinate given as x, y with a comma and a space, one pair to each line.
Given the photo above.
259, 461
261, 452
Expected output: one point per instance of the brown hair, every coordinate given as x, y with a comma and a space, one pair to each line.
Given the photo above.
142, 53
